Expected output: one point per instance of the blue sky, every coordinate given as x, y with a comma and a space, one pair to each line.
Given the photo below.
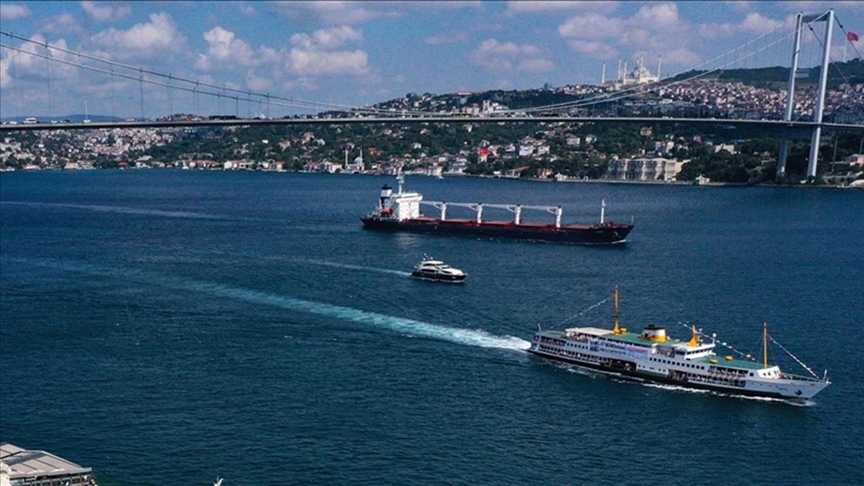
356, 53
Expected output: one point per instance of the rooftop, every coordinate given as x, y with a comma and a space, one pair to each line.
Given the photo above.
25, 463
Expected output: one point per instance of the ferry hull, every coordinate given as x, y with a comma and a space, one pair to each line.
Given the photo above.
626, 368
601, 234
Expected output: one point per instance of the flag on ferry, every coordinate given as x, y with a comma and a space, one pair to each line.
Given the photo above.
852, 36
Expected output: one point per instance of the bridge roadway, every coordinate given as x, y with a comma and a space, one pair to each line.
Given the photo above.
779, 125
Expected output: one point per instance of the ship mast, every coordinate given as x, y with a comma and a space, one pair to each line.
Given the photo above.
617, 328
765, 344
602, 211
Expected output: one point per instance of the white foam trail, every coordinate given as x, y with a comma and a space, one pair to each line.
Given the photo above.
119, 209
469, 337
399, 324
358, 267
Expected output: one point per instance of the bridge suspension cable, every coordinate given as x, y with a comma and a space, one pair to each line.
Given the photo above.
653, 86
847, 36
822, 45
247, 95
172, 82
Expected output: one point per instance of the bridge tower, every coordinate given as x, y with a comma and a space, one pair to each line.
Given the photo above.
800, 20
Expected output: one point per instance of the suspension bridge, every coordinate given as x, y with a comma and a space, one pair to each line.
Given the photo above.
183, 94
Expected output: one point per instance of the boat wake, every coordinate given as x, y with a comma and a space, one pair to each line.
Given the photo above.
470, 337
399, 324
120, 210
357, 267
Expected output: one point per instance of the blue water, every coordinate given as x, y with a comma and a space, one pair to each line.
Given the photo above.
168, 327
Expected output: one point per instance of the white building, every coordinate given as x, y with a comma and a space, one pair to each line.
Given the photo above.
644, 169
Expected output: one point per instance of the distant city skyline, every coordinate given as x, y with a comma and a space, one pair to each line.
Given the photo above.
358, 53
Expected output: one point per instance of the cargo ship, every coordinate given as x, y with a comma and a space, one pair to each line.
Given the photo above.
651, 355
400, 211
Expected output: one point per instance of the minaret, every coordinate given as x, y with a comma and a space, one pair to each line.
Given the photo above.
659, 60
603, 75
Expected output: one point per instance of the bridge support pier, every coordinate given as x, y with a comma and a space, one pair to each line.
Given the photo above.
790, 98
816, 138
828, 17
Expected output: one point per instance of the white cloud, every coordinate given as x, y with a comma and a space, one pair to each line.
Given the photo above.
658, 16
151, 38
224, 48
716, 31
105, 11
256, 83
591, 26
342, 12
315, 54
28, 67
5, 77
334, 12
656, 28
681, 56
13, 11
316, 63
64, 23
303, 83
327, 38
757, 24
555, 6
507, 56
740, 5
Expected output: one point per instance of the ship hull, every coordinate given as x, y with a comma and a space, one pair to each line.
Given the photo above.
629, 368
601, 234
439, 278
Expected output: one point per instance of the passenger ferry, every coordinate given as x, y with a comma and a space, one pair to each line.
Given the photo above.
653, 356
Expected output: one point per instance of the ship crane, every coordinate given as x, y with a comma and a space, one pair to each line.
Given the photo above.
516, 209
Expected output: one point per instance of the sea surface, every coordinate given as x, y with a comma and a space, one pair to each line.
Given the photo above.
168, 327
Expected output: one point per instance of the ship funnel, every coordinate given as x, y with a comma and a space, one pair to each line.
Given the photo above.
654, 333
386, 192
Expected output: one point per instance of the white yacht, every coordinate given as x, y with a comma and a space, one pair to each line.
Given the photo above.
437, 270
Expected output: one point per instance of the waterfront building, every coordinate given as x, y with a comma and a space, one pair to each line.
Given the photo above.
644, 169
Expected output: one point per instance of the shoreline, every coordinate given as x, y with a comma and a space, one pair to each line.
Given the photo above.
520, 179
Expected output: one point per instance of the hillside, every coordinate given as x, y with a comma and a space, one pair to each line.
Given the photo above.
851, 72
